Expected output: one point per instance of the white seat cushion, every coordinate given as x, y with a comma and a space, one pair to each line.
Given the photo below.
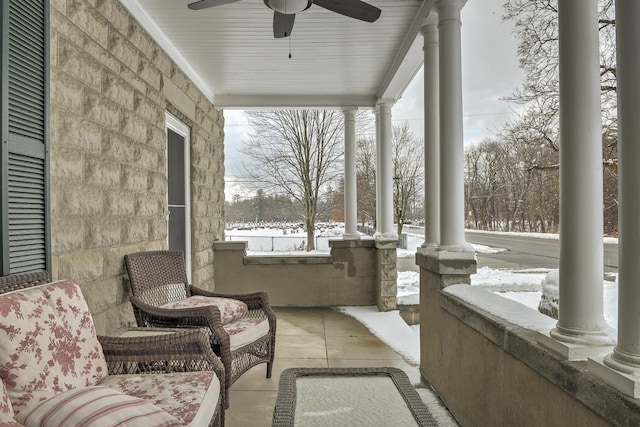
189, 396
245, 331
96, 406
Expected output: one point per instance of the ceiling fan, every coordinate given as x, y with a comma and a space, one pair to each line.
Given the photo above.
284, 11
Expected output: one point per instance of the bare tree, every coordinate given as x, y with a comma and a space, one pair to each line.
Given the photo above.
298, 152
503, 192
408, 169
366, 177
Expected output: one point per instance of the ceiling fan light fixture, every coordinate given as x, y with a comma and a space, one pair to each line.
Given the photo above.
289, 7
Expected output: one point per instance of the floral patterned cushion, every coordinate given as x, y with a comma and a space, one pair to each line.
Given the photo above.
245, 331
189, 396
97, 406
48, 343
5, 403
7, 421
230, 309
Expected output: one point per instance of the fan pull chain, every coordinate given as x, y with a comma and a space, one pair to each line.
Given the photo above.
285, 34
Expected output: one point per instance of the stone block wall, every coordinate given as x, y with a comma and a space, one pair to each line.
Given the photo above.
111, 85
387, 274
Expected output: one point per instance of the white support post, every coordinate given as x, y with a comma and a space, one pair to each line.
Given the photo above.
385, 176
628, 40
581, 313
378, 232
350, 187
431, 133
452, 210
621, 368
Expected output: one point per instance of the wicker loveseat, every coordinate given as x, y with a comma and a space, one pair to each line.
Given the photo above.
163, 297
56, 371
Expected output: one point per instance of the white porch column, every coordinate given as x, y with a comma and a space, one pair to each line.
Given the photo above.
451, 137
626, 355
431, 133
385, 175
350, 188
376, 113
581, 318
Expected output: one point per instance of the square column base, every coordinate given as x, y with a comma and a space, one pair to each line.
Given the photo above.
438, 269
569, 351
446, 263
623, 382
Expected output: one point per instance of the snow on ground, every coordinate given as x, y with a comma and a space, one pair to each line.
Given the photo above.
408, 287
523, 286
390, 328
509, 310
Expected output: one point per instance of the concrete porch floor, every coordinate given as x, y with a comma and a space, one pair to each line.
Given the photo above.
317, 337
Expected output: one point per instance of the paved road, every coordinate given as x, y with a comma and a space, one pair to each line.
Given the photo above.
525, 250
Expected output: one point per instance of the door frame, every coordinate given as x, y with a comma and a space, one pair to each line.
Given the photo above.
183, 130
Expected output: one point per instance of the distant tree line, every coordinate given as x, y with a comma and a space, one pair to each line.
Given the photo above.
270, 208
512, 180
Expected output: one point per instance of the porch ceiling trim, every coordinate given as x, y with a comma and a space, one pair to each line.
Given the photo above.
391, 83
409, 59
161, 38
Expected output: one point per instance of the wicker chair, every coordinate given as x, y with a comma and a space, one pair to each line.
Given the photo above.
154, 276
146, 351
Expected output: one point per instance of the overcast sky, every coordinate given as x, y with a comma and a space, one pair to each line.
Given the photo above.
489, 72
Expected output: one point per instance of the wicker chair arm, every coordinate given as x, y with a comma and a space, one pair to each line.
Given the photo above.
210, 314
195, 317
254, 300
164, 351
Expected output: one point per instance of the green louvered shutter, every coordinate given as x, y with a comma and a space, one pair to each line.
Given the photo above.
25, 171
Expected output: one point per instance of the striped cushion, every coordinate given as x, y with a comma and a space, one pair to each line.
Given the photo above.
191, 397
96, 406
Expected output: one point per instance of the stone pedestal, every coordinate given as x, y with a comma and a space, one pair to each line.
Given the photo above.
438, 269
387, 274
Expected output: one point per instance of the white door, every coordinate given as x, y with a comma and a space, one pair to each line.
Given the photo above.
178, 193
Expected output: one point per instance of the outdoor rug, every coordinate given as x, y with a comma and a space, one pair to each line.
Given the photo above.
323, 397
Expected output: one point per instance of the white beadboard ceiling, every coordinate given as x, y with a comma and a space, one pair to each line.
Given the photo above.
230, 52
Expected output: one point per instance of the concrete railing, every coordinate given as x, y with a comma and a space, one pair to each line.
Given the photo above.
489, 371
356, 272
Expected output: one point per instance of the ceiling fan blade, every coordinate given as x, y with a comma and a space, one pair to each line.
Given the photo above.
203, 4
352, 8
282, 24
